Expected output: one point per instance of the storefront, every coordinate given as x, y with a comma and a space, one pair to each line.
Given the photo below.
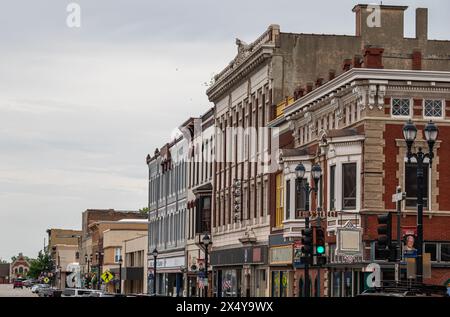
169, 276
195, 274
281, 271
240, 272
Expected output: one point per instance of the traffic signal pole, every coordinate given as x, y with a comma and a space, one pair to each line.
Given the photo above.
307, 291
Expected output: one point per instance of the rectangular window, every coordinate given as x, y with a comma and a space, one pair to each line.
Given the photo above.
445, 252
401, 107
300, 197
288, 199
349, 186
411, 185
117, 255
333, 187
279, 200
433, 108
432, 249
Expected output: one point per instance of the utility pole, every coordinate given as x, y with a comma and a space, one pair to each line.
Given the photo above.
398, 198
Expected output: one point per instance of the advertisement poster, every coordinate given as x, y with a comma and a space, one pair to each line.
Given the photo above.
409, 235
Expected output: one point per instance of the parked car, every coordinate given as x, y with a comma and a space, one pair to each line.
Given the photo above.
29, 283
77, 292
18, 283
49, 292
99, 294
35, 288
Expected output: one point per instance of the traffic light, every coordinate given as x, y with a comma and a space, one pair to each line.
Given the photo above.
307, 245
384, 230
320, 242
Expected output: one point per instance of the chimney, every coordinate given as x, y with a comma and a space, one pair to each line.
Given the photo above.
357, 61
373, 57
417, 60
422, 24
319, 82
347, 65
299, 93
331, 74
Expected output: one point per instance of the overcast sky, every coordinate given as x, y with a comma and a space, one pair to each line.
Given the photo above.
80, 108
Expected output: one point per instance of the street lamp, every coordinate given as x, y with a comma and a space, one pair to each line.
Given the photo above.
155, 255
206, 241
316, 173
98, 256
431, 134
120, 275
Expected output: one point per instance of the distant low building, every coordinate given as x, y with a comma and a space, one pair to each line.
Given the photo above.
4, 273
19, 267
63, 246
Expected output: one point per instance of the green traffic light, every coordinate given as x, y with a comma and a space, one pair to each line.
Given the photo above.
320, 250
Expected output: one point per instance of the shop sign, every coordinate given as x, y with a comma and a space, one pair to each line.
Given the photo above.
349, 243
281, 255
170, 262
297, 253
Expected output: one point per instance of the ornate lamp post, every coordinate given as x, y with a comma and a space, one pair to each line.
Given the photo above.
155, 255
120, 274
431, 134
316, 173
206, 241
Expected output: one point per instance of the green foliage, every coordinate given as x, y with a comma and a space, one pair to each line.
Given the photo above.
43, 263
144, 210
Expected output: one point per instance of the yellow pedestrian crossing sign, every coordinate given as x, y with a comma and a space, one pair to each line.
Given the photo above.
46, 280
107, 277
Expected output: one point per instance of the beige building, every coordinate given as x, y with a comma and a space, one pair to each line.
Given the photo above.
63, 246
134, 272
112, 235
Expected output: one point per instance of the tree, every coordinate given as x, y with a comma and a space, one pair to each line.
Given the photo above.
3, 261
43, 263
144, 210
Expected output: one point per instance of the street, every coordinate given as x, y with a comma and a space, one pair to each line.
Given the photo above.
6, 290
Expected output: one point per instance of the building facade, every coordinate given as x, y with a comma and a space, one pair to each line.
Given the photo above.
91, 250
19, 267
199, 195
352, 127
249, 233
167, 217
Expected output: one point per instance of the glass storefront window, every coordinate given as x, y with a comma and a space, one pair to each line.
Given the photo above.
348, 282
230, 283
281, 283
336, 284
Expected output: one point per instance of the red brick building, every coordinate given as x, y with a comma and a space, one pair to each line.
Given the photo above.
352, 127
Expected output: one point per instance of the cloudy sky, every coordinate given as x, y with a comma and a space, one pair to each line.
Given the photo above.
80, 108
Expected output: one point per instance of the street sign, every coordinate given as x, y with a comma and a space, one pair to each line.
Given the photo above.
46, 280
107, 277
398, 197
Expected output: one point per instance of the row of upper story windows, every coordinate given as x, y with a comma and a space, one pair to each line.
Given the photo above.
168, 184
431, 108
343, 190
168, 231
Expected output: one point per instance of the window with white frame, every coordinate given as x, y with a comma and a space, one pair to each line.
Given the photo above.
117, 254
401, 107
433, 109
411, 184
349, 186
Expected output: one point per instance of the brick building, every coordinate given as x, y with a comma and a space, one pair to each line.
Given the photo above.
251, 92
91, 243
352, 127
